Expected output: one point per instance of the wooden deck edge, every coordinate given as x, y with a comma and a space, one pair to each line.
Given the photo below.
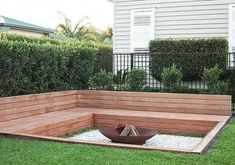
116, 145
209, 139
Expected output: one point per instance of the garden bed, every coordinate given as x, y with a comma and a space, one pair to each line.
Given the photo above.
159, 140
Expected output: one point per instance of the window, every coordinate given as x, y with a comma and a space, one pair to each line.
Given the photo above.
142, 29
232, 34
232, 28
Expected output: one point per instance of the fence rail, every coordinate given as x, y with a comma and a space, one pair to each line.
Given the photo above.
142, 60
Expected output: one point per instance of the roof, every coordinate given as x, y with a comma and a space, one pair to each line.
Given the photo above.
9, 22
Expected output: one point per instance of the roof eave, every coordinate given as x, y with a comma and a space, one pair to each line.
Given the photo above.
28, 29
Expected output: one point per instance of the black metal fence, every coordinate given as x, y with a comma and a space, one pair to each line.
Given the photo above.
142, 61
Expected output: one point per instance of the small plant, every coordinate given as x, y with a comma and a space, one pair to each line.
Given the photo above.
102, 80
172, 79
137, 79
121, 77
211, 78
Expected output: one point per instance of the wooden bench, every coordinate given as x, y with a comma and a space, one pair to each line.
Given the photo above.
175, 113
57, 113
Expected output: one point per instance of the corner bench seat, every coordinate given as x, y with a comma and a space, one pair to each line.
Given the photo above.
57, 113
61, 122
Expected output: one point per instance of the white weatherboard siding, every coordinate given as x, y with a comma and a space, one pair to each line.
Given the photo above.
173, 19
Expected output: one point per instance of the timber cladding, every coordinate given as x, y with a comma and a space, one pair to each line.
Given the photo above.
157, 102
58, 113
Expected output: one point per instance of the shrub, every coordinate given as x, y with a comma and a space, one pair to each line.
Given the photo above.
172, 79
23, 38
104, 58
137, 79
33, 68
211, 78
102, 80
192, 56
171, 76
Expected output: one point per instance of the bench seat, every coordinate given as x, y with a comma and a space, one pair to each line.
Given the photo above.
65, 121
50, 124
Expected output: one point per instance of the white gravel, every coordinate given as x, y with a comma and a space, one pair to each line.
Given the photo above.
163, 141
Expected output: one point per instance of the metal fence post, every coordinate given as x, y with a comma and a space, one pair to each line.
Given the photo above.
132, 60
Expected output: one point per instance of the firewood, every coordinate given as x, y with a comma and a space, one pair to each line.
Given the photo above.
133, 131
130, 130
118, 125
126, 131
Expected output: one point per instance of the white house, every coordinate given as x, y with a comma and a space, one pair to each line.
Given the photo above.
136, 22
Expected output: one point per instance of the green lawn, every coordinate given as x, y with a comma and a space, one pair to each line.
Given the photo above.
36, 152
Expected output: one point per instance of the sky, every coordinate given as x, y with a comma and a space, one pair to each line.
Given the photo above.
45, 12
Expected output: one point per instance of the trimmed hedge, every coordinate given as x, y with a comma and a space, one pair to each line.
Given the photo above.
104, 58
23, 38
192, 56
34, 68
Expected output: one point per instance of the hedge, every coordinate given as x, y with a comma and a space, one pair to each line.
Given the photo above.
103, 55
104, 58
192, 56
29, 39
34, 68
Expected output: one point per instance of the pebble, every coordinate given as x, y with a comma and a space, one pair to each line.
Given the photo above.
159, 140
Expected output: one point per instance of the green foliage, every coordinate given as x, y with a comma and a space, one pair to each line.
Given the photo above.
172, 79
121, 78
192, 56
137, 79
34, 68
78, 31
102, 80
229, 76
104, 58
23, 38
171, 76
83, 31
211, 78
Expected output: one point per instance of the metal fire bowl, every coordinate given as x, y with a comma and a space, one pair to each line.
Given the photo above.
114, 135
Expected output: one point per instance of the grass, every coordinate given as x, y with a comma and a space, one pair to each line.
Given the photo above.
24, 152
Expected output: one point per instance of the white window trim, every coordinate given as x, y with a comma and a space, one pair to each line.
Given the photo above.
229, 26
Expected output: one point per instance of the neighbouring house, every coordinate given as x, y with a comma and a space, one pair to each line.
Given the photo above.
20, 27
136, 22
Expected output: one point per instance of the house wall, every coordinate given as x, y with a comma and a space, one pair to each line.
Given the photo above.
173, 19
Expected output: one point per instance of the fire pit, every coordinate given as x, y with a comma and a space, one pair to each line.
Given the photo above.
128, 134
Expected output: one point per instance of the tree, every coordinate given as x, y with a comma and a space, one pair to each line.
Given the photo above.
78, 31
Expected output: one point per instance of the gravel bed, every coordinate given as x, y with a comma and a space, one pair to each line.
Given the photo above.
164, 141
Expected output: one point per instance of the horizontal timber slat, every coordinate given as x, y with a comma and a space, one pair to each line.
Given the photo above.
36, 107
155, 119
36, 102
152, 94
155, 99
142, 107
36, 112
13, 99
157, 126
